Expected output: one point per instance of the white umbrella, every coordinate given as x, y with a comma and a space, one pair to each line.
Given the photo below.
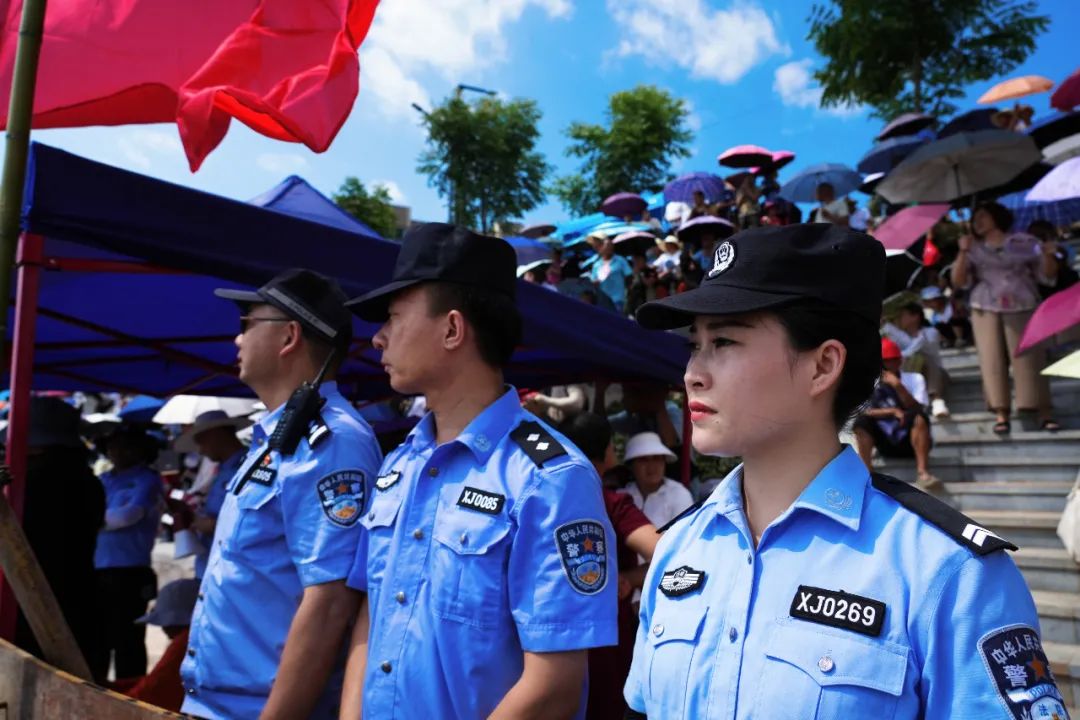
183, 409
959, 165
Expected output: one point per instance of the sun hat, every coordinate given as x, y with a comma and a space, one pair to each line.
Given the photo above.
208, 420
647, 444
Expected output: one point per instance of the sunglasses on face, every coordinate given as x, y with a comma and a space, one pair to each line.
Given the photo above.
246, 321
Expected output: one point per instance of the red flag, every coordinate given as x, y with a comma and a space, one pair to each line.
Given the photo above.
285, 68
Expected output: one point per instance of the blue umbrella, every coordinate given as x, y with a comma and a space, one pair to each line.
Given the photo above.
887, 154
682, 188
906, 124
1058, 212
978, 119
607, 229
528, 250
803, 187
141, 409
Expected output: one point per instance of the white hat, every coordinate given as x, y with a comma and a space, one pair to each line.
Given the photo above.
207, 421
647, 444
931, 292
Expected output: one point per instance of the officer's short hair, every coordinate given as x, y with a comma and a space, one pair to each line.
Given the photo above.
492, 315
809, 323
591, 432
319, 349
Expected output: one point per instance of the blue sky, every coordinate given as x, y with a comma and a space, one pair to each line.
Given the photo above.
744, 66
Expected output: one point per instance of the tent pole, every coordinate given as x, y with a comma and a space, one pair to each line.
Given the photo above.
31, 252
687, 435
17, 143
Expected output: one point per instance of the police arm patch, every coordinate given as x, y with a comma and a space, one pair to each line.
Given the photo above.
1015, 659
342, 496
583, 548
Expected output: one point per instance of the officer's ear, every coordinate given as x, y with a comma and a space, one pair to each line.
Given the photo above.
829, 359
455, 330
290, 339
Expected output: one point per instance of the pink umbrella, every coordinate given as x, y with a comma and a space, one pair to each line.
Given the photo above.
1057, 313
745, 156
780, 158
1067, 94
908, 225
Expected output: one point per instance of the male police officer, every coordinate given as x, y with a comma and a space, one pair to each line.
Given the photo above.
489, 548
267, 632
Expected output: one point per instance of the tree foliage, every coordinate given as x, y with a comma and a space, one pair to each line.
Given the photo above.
482, 158
646, 131
918, 55
371, 207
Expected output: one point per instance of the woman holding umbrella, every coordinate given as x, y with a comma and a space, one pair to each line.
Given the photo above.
1003, 271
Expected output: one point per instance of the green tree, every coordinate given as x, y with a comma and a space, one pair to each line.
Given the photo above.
918, 55
481, 156
646, 130
372, 207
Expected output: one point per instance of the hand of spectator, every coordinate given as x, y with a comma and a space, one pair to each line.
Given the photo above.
900, 416
890, 378
1049, 247
625, 588
964, 242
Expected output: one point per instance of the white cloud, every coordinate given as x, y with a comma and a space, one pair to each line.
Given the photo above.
721, 45
396, 195
693, 120
449, 39
140, 146
281, 163
794, 83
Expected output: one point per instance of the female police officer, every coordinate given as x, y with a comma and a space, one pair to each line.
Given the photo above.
804, 587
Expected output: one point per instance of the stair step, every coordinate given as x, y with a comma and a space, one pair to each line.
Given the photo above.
981, 422
1048, 569
1065, 443
953, 467
1031, 495
1024, 528
1059, 615
1065, 665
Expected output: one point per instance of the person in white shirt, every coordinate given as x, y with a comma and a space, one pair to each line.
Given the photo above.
831, 210
920, 344
660, 498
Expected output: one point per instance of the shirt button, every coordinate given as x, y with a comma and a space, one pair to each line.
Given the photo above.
749, 558
371, 515
190, 652
386, 667
400, 597
657, 629
825, 664
733, 634
191, 691
201, 596
418, 534
433, 471
464, 539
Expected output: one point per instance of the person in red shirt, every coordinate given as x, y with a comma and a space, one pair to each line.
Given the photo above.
635, 537
172, 611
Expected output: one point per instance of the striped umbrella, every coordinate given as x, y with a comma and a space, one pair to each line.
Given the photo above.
1058, 212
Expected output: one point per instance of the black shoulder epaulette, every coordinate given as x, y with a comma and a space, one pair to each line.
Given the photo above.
537, 442
317, 431
688, 511
948, 519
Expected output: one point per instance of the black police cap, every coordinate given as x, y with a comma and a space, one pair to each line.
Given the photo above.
313, 300
767, 267
447, 253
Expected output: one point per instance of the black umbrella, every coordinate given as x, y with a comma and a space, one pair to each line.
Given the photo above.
537, 231
972, 120
870, 183
694, 228
903, 267
906, 124
1056, 127
1024, 180
887, 154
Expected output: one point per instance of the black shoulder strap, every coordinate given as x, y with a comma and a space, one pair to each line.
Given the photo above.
688, 511
951, 521
317, 431
539, 444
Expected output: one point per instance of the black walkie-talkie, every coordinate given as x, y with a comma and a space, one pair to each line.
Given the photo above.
303, 406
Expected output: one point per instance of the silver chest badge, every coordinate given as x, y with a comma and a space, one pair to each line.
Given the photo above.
722, 258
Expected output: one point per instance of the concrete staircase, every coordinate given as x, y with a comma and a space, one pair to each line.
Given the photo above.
1016, 486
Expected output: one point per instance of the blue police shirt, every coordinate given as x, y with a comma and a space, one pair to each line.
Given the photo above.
287, 523
130, 546
480, 549
851, 606
211, 507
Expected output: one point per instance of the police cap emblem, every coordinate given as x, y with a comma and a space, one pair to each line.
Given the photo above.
723, 257
342, 496
583, 550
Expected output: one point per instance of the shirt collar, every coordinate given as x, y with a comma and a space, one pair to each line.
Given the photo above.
482, 434
265, 427
836, 492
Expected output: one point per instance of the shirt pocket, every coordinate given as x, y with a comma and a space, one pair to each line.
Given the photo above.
826, 673
255, 527
379, 524
468, 567
672, 641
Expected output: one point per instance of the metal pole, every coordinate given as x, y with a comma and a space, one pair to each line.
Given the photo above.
17, 143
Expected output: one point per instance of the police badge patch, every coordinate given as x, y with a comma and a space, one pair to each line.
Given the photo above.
681, 581
583, 551
1015, 659
342, 496
387, 481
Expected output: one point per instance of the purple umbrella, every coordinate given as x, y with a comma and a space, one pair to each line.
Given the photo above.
634, 241
1061, 183
623, 204
745, 156
906, 124
694, 228
682, 188
537, 231
978, 119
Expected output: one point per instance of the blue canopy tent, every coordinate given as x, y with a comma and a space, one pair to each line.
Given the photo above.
294, 196
572, 230
132, 307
